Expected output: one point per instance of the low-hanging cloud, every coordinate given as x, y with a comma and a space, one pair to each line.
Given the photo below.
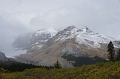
22, 16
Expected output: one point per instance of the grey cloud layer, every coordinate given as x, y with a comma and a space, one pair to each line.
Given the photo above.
21, 16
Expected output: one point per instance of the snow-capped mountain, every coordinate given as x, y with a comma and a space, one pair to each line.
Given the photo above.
70, 41
91, 39
42, 36
82, 36
37, 39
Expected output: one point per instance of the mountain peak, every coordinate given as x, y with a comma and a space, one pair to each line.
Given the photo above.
46, 30
49, 31
52, 30
70, 27
86, 30
85, 27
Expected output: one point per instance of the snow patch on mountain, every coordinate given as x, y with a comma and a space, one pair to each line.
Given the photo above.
40, 37
50, 31
93, 40
84, 36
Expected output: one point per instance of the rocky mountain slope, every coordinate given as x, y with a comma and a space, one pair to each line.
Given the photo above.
7, 61
2, 56
70, 41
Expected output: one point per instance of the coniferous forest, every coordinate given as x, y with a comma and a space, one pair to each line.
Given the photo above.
13, 66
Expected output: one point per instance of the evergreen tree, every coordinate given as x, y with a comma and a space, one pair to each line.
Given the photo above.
111, 51
118, 55
57, 65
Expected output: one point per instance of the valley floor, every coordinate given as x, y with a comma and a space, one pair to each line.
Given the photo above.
107, 70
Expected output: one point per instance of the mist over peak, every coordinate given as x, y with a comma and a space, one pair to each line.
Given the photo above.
18, 17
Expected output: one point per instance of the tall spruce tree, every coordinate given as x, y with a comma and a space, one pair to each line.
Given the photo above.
118, 55
111, 51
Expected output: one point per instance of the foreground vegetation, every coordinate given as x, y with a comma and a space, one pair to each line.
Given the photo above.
108, 70
103, 70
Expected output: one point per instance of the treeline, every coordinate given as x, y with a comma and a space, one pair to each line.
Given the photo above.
13, 67
83, 60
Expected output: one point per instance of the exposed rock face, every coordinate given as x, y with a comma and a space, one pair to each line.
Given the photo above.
72, 50
2, 56
70, 41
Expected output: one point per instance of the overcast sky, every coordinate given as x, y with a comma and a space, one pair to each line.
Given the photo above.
22, 16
